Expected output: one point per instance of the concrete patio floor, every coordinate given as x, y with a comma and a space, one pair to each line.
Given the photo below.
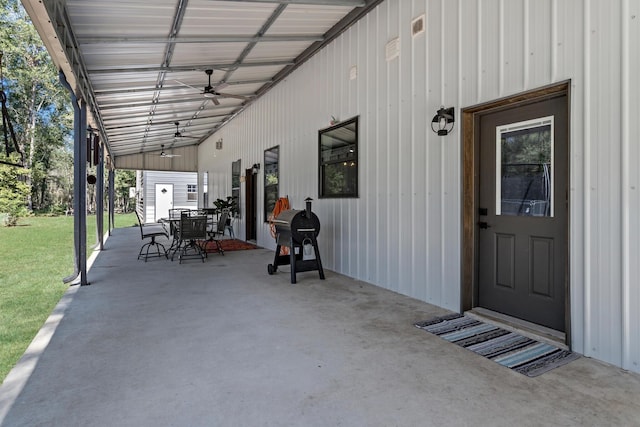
222, 343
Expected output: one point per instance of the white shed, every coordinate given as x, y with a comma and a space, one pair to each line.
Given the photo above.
159, 191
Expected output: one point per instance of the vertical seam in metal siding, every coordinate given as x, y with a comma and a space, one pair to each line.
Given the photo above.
554, 40
428, 292
396, 160
367, 75
587, 180
378, 161
460, 177
526, 45
387, 160
443, 207
501, 31
442, 51
412, 161
626, 290
479, 51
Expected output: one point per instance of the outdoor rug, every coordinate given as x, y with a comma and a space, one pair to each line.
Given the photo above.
230, 245
520, 353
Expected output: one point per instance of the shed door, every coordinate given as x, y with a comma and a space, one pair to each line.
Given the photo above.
164, 200
522, 253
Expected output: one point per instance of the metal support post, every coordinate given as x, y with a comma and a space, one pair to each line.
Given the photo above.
112, 194
99, 196
79, 187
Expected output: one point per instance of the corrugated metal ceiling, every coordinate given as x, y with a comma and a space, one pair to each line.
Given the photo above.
141, 66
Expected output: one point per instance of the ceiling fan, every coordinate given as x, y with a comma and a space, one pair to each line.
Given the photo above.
212, 92
167, 155
179, 134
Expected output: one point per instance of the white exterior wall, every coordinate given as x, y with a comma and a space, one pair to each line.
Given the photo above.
404, 231
180, 180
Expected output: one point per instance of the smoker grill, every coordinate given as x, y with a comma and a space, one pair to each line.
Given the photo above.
296, 229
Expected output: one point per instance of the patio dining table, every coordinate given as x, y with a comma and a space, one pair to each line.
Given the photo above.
174, 229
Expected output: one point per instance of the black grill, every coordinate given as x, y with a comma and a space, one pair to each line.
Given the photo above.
297, 230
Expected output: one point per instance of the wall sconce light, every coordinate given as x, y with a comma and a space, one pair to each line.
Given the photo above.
219, 144
255, 168
444, 120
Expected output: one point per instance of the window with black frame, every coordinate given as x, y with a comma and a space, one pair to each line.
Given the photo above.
271, 180
338, 157
235, 184
192, 192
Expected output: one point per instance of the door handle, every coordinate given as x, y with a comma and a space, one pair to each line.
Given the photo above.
484, 225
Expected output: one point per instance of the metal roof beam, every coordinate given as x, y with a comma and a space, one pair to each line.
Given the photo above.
106, 107
351, 3
117, 91
114, 129
200, 39
198, 67
168, 115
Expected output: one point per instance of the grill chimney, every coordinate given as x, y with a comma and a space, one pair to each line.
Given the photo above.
308, 201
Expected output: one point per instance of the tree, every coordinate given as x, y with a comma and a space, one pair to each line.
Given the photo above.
38, 105
124, 179
13, 193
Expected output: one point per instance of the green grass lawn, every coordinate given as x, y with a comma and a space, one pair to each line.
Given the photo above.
34, 258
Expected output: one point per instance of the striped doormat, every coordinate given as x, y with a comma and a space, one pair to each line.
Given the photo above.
517, 352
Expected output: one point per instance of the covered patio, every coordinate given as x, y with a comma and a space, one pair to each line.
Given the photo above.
224, 343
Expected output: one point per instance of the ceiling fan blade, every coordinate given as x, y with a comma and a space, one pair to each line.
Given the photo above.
215, 101
186, 85
229, 95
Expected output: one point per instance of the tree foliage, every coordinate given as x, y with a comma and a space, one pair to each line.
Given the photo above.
38, 105
13, 193
124, 179
42, 117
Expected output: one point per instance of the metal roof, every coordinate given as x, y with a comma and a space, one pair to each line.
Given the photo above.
141, 66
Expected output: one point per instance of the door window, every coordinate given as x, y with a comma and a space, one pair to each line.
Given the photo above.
271, 180
524, 176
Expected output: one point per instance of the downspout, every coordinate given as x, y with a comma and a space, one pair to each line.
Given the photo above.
79, 188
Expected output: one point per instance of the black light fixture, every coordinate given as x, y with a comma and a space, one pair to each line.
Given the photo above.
442, 122
255, 168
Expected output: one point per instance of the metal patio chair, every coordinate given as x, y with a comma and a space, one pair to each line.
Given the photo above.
216, 233
192, 231
151, 231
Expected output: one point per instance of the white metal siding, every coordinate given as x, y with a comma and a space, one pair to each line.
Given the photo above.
404, 231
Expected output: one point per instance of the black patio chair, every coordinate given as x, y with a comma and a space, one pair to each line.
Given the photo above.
216, 233
151, 231
192, 231
174, 222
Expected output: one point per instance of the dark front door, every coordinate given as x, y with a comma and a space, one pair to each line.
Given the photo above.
522, 246
250, 203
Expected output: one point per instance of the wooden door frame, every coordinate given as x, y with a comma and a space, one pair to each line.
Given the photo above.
471, 190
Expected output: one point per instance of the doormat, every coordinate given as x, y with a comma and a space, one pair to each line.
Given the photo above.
517, 352
229, 245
